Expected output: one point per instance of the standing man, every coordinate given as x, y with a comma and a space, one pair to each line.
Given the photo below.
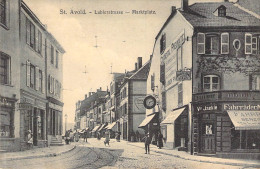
147, 142
85, 135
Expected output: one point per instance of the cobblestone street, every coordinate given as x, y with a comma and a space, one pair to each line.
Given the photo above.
95, 154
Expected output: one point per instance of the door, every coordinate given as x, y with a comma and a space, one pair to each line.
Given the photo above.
208, 138
207, 134
35, 127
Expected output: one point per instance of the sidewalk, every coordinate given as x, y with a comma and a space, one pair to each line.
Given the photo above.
187, 156
37, 152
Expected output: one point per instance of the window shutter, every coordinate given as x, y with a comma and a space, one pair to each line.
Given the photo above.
27, 31
7, 14
152, 82
162, 73
28, 73
36, 40
201, 43
248, 43
43, 82
54, 87
224, 43
254, 45
37, 78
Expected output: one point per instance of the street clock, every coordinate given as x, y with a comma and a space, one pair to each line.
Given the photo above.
149, 102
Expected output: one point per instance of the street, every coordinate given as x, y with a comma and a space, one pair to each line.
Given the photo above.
95, 154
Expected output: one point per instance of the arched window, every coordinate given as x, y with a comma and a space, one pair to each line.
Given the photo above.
211, 83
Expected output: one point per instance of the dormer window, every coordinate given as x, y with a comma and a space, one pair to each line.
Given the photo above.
220, 11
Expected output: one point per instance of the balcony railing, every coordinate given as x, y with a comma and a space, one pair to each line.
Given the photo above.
227, 95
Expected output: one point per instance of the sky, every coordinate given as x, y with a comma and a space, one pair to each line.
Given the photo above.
120, 39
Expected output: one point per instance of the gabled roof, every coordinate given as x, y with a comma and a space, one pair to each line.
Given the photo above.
142, 73
201, 15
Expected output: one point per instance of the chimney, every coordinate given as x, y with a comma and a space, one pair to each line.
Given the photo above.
226, 0
173, 9
89, 93
100, 88
184, 5
135, 66
86, 96
139, 62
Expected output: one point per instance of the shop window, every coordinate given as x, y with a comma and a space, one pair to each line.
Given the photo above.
5, 124
245, 139
211, 83
162, 43
4, 69
255, 82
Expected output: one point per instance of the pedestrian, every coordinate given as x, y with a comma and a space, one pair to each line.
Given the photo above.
76, 135
147, 142
137, 136
71, 136
160, 140
107, 139
30, 139
98, 135
85, 135
67, 137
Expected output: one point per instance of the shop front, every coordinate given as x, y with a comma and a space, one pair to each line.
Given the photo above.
228, 127
176, 128
7, 131
32, 119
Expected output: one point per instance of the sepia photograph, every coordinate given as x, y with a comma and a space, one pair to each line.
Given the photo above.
113, 84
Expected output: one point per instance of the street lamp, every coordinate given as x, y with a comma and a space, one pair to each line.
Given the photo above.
66, 116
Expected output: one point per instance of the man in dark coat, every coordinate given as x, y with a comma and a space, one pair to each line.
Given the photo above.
160, 140
147, 142
85, 135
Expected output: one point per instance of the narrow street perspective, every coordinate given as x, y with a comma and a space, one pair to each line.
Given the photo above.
94, 154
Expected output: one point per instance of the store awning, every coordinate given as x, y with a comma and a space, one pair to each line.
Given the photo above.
110, 127
95, 128
170, 119
102, 127
245, 120
146, 120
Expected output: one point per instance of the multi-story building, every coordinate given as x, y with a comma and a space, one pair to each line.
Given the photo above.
207, 89
132, 94
9, 75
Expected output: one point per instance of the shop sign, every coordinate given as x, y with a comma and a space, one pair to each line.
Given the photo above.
182, 75
24, 106
206, 108
5, 102
241, 107
155, 124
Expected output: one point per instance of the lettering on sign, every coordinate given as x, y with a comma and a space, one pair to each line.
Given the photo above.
169, 57
24, 106
241, 107
207, 108
183, 75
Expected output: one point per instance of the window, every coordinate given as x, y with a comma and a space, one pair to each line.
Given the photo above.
40, 80
30, 33
52, 55
4, 69
256, 82
32, 76
152, 82
51, 84
162, 43
179, 57
248, 43
254, 45
212, 44
224, 43
3, 12
180, 95
211, 83
201, 43
222, 11
7, 120
57, 59
39, 42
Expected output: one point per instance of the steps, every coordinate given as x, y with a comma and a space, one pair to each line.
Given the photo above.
56, 142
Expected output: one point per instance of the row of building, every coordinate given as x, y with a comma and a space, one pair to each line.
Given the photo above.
30, 79
201, 86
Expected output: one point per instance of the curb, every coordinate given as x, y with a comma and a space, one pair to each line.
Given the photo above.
205, 161
39, 156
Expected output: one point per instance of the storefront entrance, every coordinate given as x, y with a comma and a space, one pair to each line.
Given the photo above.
207, 136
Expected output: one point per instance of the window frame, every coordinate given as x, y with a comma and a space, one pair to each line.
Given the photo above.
163, 43
254, 49
3, 6
211, 36
7, 69
223, 44
211, 76
32, 76
248, 44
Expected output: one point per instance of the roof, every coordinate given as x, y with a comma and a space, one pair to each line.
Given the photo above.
252, 5
201, 15
142, 73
